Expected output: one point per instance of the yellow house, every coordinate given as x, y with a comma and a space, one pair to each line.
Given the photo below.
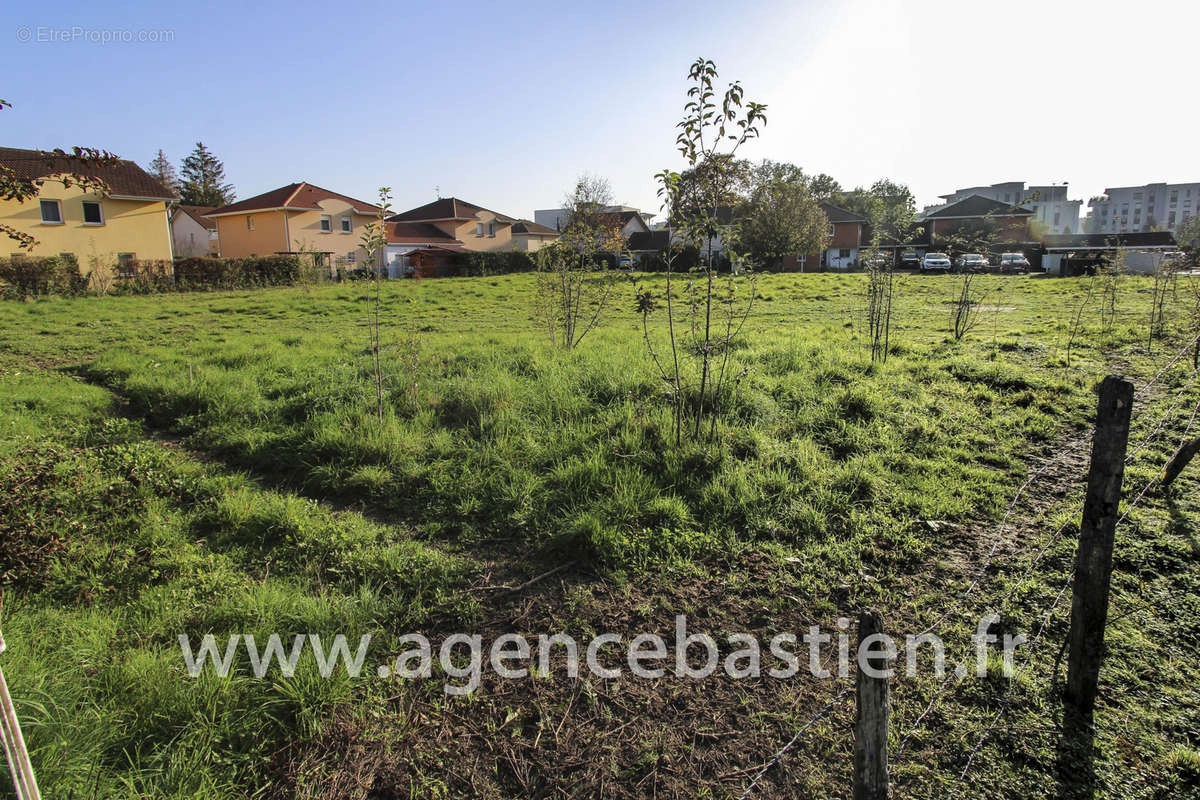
295, 218
127, 221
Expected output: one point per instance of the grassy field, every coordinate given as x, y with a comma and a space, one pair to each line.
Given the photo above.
213, 463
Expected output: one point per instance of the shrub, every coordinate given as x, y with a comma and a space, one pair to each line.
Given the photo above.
244, 273
28, 276
139, 277
483, 264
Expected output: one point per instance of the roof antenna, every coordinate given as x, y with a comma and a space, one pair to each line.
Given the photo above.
438, 191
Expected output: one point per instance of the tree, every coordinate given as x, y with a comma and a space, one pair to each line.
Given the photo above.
782, 219
573, 287
204, 180
70, 169
164, 172
714, 126
719, 180
889, 207
823, 187
1188, 236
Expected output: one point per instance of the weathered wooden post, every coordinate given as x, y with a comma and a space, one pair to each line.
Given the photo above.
1093, 559
1183, 456
872, 717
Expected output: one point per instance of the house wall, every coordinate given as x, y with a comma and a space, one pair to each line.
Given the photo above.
304, 227
191, 238
846, 234
529, 244
465, 233
267, 238
130, 226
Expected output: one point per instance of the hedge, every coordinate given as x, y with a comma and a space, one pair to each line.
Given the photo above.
24, 276
28, 276
246, 273
475, 264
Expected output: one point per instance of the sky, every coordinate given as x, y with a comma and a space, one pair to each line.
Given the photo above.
505, 105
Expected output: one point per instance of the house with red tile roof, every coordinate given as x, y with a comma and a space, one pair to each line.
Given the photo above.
452, 225
299, 217
123, 218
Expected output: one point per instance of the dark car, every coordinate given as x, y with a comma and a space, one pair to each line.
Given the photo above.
1014, 263
911, 259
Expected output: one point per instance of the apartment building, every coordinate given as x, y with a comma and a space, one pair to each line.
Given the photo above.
1151, 207
1053, 211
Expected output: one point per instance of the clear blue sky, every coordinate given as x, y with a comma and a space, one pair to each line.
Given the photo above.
506, 104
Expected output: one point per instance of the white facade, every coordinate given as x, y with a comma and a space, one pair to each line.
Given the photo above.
1050, 205
1152, 207
190, 238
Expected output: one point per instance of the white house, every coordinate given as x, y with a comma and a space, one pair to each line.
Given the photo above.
193, 233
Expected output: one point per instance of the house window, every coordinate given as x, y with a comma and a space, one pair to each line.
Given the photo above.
326, 224
832, 231
479, 229
126, 263
1171, 219
91, 214
844, 252
51, 213
492, 229
345, 225
249, 222
349, 258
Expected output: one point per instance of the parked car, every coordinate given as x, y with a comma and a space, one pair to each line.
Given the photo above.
972, 262
1014, 263
910, 258
935, 262
876, 260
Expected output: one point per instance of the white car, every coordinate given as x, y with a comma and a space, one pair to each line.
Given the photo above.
935, 262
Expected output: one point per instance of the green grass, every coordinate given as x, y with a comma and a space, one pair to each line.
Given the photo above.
212, 463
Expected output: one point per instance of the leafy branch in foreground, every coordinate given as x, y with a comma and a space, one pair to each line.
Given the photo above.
69, 169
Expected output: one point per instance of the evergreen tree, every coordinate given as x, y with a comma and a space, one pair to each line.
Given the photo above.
204, 179
164, 172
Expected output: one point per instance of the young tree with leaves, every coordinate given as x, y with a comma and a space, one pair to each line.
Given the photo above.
697, 367
204, 180
573, 284
164, 172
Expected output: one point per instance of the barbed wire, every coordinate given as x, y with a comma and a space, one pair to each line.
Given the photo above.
955, 678
776, 758
1006, 702
1078, 442
1182, 351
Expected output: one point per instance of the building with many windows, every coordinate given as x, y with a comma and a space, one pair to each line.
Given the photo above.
1152, 207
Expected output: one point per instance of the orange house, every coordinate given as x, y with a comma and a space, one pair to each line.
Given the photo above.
473, 227
299, 217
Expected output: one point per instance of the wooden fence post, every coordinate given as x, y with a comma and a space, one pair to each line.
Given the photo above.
872, 716
1093, 559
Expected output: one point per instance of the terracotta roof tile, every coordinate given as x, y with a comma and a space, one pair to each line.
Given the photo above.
123, 178
295, 195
